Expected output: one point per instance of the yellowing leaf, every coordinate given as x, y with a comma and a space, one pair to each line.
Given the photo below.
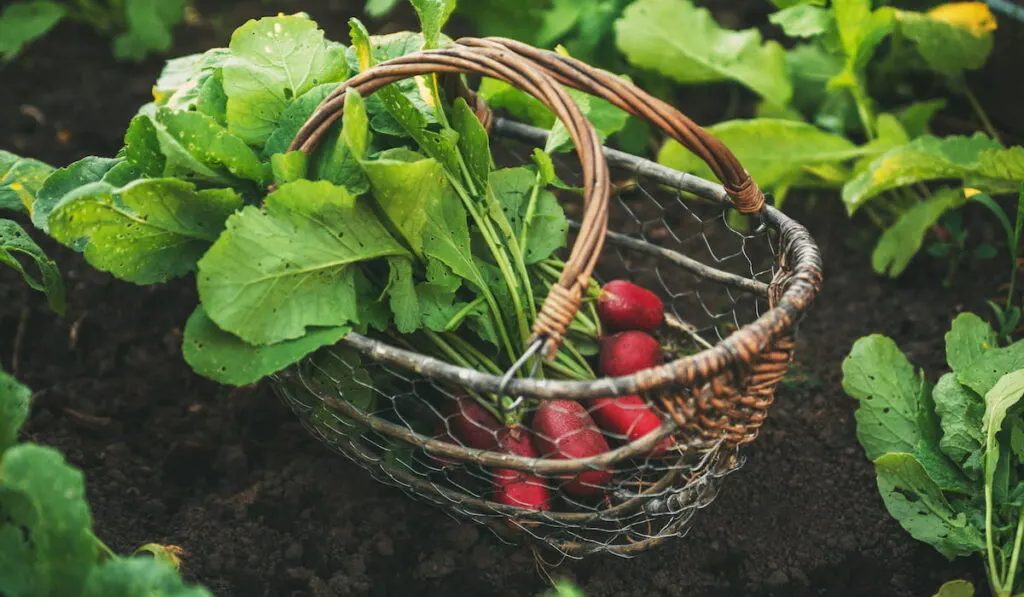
973, 16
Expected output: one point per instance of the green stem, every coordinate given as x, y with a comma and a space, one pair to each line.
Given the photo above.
565, 371
467, 348
994, 573
1011, 577
1015, 248
580, 359
459, 359
866, 117
104, 549
980, 111
463, 313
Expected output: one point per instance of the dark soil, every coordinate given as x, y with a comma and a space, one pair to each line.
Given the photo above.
262, 509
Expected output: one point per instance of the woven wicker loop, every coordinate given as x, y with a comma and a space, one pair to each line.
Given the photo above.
744, 192
561, 305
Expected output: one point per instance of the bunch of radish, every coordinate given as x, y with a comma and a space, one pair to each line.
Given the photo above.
567, 429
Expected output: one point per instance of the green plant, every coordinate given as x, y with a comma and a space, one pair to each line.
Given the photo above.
47, 546
338, 245
949, 456
20, 178
138, 27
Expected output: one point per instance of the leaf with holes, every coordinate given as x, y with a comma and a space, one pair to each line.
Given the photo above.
544, 222
15, 243
1006, 392
917, 503
146, 232
117, 172
273, 61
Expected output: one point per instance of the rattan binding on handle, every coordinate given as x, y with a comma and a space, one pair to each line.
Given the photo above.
563, 301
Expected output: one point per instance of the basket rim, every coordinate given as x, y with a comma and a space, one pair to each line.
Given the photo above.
804, 284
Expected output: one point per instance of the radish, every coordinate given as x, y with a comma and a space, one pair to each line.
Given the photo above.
629, 416
623, 305
472, 424
441, 432
565, 430
521, 489
628, 352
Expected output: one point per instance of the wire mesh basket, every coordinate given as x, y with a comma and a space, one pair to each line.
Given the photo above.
733, 296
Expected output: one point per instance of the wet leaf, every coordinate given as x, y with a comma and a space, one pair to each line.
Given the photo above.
15, 243
20, 181
65, 180
433, 15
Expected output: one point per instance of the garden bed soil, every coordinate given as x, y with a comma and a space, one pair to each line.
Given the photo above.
262, 509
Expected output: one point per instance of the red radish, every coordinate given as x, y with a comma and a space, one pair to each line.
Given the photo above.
521, 489
628, 352
629, 416
623, 305
565, 430
442, 433
472, 424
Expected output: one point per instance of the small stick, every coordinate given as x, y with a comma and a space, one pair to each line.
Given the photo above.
87, 421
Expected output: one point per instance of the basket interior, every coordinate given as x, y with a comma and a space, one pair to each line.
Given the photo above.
649, 498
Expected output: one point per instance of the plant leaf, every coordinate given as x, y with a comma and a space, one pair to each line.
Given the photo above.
1003, 395
149, 24
14, 402
901, 241
274, 60
512, 188
294, 116
917, 503
684, 43
139, 576
181, 81
288, 167
955, 588
947, 47
44, 535
860, 31
227, 359
194, 147
433, 15
23, 22
772, 150
473, 143
275, 272
147, 232
968, 339
803, 20
960, 413
983, 373
15, 241
978, 161
878, 375
916, 117
20, 180
65, 180
405, 304
790, 3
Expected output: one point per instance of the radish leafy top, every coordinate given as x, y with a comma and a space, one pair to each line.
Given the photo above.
400, 222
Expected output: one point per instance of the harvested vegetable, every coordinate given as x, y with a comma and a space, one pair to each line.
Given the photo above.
520, 488
565, 430
623, 305
626, 353
630, 417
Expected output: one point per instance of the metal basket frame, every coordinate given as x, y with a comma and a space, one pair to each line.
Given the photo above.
717, 399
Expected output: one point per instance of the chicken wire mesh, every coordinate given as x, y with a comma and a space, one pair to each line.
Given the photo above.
713, 276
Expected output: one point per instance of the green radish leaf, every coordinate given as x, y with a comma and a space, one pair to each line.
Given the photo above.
948, 49
521, 105
24, 22
422, 206
437, 306
181, 81
985, 252
433, 15
222, 357
1003, 395
45, 539
978, 161
803, 20
918, 505
308, 237
273, 61
878, 375
968, 339
473, 144
380, 8
791, 3
548, 227
901, 241
147, 576
943, 471
955, 588
14, 402
146, 232
149, 24
65, 180
288, 167
294, 116
960, 412
916, 117
345, 147
985, 371
192, 146
20, 180
405, 304
860, 32
773, 151
684, 43
14, 242
606, 118
810, 68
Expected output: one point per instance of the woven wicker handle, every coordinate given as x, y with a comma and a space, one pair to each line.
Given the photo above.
744, 192
563, 300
